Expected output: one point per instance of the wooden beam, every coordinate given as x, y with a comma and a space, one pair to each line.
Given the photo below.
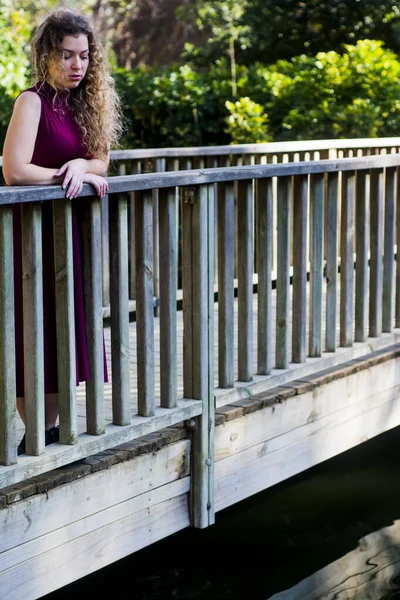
8, 444
119, 298
65, 318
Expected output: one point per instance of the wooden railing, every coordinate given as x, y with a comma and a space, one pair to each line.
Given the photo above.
173, 159
144, 161
310, 196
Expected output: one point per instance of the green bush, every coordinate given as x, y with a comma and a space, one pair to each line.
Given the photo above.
247, 122
331, 95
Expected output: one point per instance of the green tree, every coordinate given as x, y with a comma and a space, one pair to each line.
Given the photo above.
14, 33
267, 30
224, 20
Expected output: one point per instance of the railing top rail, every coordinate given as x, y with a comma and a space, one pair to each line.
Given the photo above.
265, 149
270, 148
129, 183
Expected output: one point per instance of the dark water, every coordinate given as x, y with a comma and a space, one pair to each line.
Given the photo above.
271, 541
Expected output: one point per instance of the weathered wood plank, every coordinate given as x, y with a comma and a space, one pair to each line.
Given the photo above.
32, 291
136, 170
202, 496
300, 220
347, 259
57, 456
226, 237
105, 250
167, 202
283, 274
8, 444
160, 166
316, 258
245, 280
376, 252
65, 321
259, 148
119, 298
331, 261
144, 303
164, 519
80, 502
388, 256
128, 183
263, 466
94, 317
189, 197
264, 267
362, 248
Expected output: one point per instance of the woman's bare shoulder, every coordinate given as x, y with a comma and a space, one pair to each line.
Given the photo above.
28, 99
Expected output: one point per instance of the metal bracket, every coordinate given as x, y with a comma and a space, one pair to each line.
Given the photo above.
189, 195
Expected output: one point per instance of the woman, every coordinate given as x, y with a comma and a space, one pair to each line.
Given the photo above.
61, 132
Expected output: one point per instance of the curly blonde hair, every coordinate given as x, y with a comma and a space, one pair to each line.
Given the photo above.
95, 103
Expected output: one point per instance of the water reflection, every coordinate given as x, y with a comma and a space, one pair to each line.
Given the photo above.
370, 571
332, 532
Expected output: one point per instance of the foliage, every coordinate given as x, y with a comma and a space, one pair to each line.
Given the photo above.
348, 90
269, 30
222, 22
174, 107
355, 94
247, 122
14, 32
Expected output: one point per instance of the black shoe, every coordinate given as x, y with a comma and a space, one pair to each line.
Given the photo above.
52, 436
21, 447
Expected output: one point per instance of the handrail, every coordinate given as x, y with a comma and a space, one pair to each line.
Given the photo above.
260, 148
149, 181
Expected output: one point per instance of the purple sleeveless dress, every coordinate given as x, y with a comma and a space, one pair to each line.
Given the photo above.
58, 140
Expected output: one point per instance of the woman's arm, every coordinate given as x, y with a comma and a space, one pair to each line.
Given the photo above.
20, 143
18, 151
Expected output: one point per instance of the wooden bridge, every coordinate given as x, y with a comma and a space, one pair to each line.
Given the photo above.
276, 351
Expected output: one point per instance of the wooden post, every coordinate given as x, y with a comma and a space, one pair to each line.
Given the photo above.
347, 260
144, 211
65, 319
264, 268
33, 326
283, 273
105, 250
300, 220
161, 167
136, 170
362, 246
376, 252
331, 261
397, 299
388, 257
245, 280
316, 246
119, 309
94, 317
226, 236
198, 211
168, 284
8, 443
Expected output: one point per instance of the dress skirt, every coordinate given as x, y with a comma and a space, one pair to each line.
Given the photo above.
49, 308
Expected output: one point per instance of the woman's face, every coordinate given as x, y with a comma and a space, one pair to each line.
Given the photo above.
69, 70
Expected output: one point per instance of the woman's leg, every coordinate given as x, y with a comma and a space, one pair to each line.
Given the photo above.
21, 408
51, 410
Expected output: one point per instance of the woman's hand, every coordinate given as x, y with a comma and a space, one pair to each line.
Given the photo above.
75, 171
98, 182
